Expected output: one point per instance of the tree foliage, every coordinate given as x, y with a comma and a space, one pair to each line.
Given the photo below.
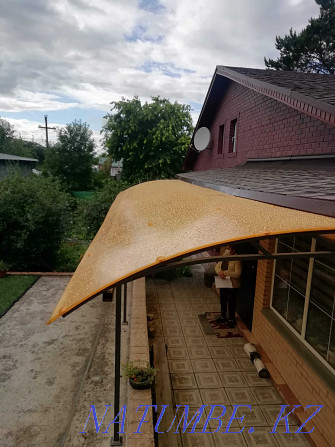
33, 218
9, 144
312, 50
92, 212
71, 158
150, 138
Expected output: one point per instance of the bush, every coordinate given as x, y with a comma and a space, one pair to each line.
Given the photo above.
91, 213
33, 220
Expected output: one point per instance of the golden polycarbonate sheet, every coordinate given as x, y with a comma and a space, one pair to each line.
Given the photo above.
160, 220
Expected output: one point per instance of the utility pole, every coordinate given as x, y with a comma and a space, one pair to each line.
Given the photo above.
46, 129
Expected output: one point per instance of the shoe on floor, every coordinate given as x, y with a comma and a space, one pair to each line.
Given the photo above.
221, 320
231, 324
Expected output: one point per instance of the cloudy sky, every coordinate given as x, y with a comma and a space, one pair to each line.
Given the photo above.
70, 58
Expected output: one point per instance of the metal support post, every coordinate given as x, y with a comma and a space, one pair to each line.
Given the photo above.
125, 304
117, 440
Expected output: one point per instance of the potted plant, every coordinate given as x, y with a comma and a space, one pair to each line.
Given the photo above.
141, 375
3, 268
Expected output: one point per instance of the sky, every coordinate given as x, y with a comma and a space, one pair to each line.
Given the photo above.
69, 59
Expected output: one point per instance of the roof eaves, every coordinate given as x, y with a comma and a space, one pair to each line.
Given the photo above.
305, 104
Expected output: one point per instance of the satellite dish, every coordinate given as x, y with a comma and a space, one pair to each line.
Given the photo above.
202, 138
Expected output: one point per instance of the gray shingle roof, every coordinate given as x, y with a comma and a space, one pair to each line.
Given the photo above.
314, 85
307, 190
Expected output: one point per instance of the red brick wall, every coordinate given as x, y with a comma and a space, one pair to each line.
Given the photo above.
308, 388
266, 128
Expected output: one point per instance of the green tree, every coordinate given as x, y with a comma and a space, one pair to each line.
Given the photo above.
71, 158
150, 138
91, 212
312, 50
33, 220
6, 134
9, 144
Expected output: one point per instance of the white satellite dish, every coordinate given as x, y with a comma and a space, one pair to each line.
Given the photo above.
202, 138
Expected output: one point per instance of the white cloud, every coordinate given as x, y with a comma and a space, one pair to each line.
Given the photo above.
92, 52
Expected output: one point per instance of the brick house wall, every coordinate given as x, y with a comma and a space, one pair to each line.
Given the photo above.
265, 128
308, 388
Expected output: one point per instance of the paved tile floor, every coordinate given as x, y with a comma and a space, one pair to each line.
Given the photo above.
206, 370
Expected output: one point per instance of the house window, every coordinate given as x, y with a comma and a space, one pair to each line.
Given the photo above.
303, 295
220, 139
232, 136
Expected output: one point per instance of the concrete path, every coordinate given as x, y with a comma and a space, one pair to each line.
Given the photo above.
50, 375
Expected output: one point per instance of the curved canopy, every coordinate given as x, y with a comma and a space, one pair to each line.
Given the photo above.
157, 221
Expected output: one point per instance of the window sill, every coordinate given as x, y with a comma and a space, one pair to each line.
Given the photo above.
307, 356
231, 154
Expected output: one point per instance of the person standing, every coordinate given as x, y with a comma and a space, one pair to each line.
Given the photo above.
227, 295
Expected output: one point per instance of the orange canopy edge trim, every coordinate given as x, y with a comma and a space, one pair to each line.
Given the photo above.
165, 219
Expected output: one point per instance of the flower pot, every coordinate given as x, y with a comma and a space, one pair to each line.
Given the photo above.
140, 385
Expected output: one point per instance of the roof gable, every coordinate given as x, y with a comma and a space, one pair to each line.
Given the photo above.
310, 93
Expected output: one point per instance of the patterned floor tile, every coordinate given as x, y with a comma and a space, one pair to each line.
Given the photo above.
208, 380
175, 342
213, 340
238, 351
260, 437
187, 397
169, 314
181, 307
195, 341
224, 412
215, 396
192, 331
186, 314
198, 301
266, 395
183, 381
232, 379
167, 307
290, 439
202, 365
197, 440
201, 352
173, 331
245, 364
229, 440
253, 379
191, 321
225, 365
200, 308
239, 396
238, 341
255, 417
190, 413
271, 413
220, 352
213, 307
177, 353
170, 322
180, 366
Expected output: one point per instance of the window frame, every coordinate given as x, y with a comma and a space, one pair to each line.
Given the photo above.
232, 136
302, 336
221, 139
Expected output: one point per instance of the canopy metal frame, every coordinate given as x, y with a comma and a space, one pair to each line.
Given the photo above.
116, 440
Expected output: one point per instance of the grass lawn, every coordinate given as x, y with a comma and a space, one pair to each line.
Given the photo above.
11, 288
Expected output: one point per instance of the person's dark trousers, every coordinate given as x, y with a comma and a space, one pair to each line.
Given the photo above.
228, 297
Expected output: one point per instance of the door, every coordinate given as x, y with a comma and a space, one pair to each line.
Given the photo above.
246, 293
